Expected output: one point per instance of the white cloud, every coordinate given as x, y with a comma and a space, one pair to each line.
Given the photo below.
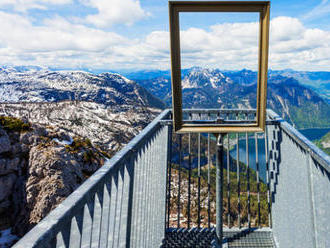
57, 42
235, 46
114, 11
301, 48
56, 34
286, 28
323, 9
24, 5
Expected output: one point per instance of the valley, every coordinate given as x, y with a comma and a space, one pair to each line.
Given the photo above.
84, 119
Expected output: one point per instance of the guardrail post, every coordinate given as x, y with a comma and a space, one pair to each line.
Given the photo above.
219, 193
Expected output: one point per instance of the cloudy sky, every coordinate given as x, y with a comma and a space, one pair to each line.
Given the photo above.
131, 34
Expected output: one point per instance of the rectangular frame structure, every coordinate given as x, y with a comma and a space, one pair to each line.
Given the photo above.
175, 7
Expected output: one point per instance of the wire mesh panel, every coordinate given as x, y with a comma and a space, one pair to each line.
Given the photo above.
203, 237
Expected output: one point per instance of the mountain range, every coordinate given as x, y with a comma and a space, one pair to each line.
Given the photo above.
213, 88
319, 81
19, 84
294, 95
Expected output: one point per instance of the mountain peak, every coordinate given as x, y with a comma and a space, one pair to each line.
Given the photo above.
44, 86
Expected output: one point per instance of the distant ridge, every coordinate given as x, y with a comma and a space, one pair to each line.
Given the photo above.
22, 84
214, 88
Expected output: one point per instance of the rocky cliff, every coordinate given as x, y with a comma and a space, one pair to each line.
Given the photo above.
39, 167
48, 149
110, 127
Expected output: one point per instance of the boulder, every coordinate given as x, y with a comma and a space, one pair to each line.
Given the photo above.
37, 174
53, 175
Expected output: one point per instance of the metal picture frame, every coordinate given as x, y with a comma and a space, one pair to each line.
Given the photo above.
263, 8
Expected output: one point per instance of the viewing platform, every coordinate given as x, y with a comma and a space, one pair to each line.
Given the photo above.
159, 191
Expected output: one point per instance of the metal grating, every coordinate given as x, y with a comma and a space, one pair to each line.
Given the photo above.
203, 237
192, 237
249, 238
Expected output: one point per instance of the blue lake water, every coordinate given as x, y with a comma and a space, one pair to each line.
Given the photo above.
252, 155
314, 133
311, 134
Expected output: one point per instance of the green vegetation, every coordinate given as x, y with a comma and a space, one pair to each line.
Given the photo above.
233, 210
45, 142
106, 154
90, 153
78, 143
89, 156
14, 124
311, 115
237, 190
322, 143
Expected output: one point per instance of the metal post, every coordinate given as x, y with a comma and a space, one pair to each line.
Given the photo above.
219, 193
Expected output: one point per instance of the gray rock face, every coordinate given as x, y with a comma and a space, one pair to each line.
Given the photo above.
53, 174
52, 178
9, 165
6, 185
110, 127
37, 173
40, 167
4, 142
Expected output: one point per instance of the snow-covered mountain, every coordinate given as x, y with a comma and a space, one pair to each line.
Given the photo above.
107, 108
77, 119
205, 78
109, 127
40, 85
214, 88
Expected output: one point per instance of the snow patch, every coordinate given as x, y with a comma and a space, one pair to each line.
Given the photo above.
64, 142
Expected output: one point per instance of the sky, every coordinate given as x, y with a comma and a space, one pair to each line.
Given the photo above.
133, 35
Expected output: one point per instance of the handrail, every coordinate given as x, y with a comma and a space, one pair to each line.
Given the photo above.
316, 153
141, 155
214, 111
47, 229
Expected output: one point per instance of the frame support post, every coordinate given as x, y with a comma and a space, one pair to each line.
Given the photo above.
219, 190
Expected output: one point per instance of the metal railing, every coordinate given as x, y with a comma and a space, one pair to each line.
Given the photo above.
285, 189
121, 205
280, 181
300, 188
193, 164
